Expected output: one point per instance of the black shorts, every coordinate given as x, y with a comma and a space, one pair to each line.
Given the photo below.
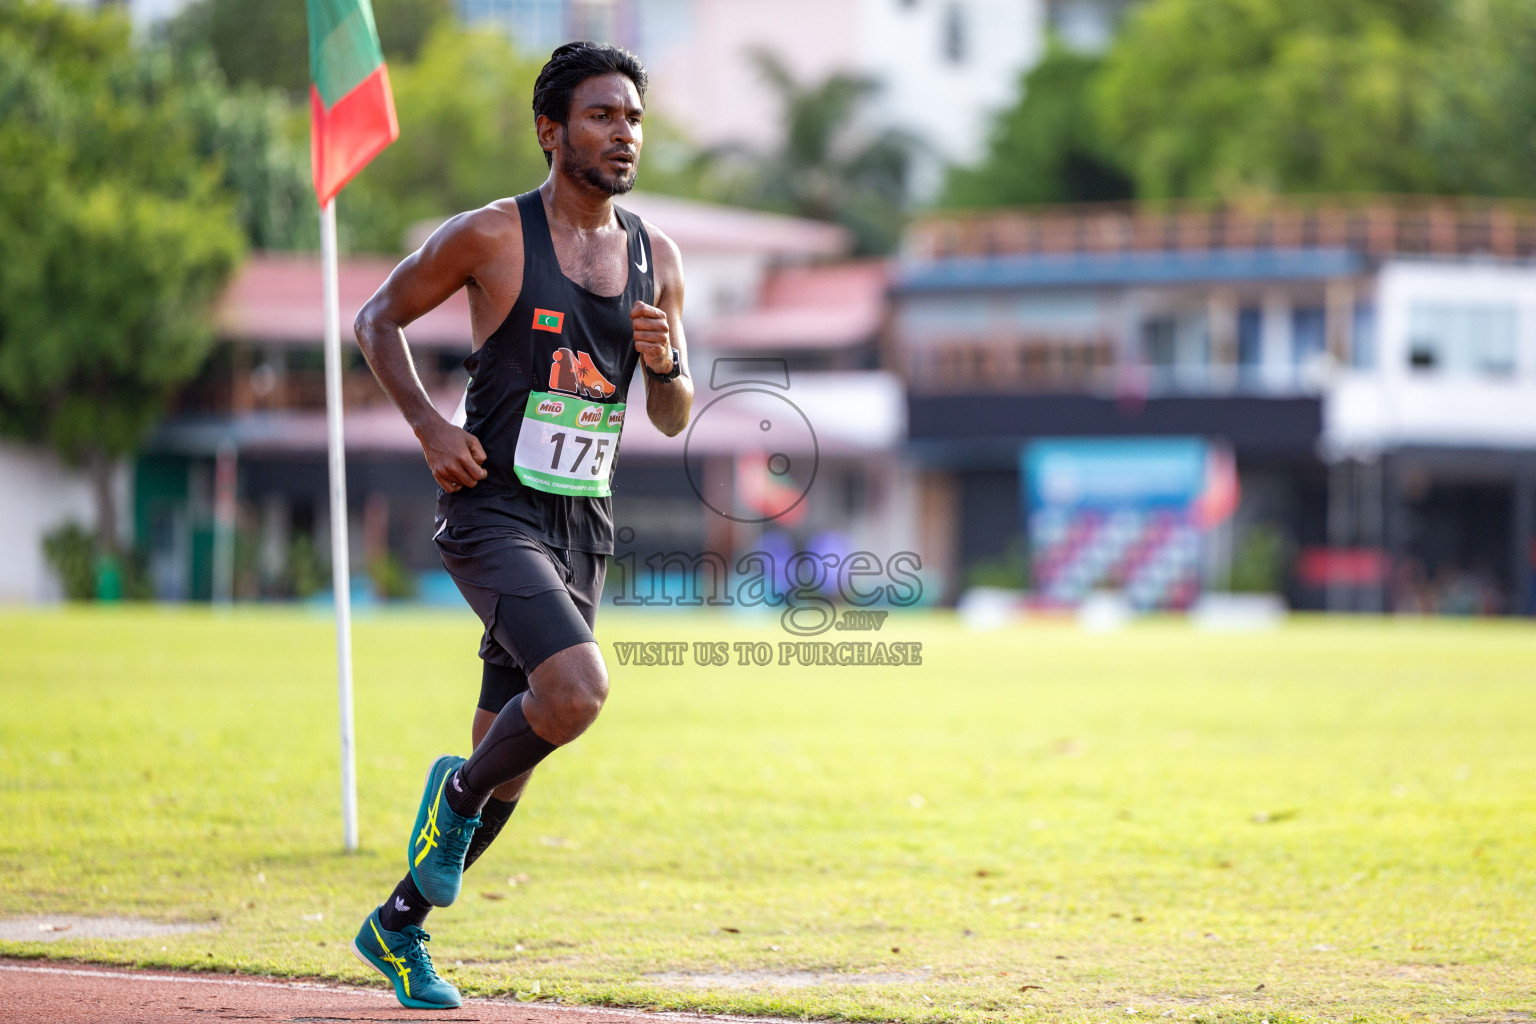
534, 600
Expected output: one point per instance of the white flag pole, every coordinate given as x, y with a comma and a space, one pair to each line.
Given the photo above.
341, 574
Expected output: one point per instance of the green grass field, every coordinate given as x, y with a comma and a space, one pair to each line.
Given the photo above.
1334, 820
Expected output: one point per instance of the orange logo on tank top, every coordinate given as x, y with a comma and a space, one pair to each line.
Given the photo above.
574, 374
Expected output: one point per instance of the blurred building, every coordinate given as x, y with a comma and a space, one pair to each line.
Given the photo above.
1372, 367
944, 65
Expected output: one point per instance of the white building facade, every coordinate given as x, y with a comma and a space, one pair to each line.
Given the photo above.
944, 66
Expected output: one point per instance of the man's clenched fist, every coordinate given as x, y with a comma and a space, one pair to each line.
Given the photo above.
453, 454
653, 337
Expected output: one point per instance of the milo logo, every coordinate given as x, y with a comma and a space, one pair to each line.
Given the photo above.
616, 418
591, 416
550, 407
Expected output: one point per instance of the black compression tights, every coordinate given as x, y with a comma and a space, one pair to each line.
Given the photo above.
509, 749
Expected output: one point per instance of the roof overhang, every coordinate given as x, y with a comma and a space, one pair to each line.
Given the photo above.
1090, 270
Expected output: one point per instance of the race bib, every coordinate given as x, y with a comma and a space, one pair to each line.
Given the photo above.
567, 445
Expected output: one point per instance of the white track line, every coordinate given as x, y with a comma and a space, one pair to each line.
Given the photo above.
238, 982
310, 986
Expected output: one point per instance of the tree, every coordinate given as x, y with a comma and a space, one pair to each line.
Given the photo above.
826, 165
1049, 147
267, 44
1231, 97
1482, 139
115, 237
260, 143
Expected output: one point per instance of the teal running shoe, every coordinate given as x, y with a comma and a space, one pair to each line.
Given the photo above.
440, 838
402, 958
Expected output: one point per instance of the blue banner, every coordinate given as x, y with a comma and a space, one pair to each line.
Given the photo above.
1139, 473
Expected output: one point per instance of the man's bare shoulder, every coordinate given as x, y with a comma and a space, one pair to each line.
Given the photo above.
668, 257
493, 230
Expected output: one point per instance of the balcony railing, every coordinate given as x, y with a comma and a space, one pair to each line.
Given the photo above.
1375, 225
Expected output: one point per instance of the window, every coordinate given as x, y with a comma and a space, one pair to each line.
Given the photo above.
1462, 338
1309, 335
1362, 354
1250, 339
954, 33
1160, 341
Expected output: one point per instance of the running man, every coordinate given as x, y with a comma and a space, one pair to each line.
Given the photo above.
567, 294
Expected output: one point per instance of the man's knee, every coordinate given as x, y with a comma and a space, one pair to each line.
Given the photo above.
584, 694
569, 689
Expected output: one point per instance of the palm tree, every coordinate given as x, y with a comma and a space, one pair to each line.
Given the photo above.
827, 165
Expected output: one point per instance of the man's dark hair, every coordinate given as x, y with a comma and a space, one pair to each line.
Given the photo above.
574, 63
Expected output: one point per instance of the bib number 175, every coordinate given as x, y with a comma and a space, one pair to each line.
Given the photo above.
583, 444
566, 445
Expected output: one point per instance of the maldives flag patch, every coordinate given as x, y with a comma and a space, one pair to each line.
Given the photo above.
548, 320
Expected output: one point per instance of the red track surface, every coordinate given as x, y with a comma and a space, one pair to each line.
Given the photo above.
77, 994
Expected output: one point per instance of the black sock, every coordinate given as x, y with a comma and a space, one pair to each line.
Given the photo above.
509, 749
464, 801
492, 817
405, 906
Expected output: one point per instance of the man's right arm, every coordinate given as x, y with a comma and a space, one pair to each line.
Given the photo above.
448, 261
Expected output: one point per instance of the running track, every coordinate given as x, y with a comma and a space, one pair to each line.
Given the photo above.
84, 994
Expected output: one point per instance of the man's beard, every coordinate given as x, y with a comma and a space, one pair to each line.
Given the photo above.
614, 185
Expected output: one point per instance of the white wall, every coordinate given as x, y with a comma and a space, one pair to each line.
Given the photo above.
1393, 405
39, 494
710, 85
712, 88
948, 103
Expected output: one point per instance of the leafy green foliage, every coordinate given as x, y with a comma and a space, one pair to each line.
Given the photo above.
267, 44
391, 580
90, 571
1231, 98
1234, 97
306, 573
466, 138
1258, 566
260, 130
1483, 140
260, 144
1225, 97
825, 167
71, 553
115, 233
1049, 147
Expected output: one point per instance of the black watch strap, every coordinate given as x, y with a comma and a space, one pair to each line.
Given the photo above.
677, 368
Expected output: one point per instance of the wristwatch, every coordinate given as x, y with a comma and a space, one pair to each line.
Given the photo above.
677, 368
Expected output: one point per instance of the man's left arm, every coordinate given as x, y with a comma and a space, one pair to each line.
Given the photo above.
659, 330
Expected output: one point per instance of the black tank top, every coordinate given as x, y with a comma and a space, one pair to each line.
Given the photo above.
546, 397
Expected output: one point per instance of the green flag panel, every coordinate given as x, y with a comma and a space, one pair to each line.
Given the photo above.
343, 46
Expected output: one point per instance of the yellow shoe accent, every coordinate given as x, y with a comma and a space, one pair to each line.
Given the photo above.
398, 963
429, 834
439, 838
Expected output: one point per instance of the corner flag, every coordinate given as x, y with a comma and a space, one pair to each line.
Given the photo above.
352, 111
352, 118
